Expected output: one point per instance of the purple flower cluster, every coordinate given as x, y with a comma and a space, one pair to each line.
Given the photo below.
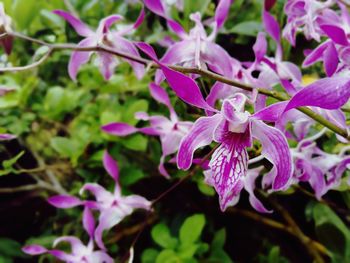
231, 118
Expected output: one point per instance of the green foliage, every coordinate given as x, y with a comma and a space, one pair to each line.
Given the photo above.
331, 231
188, 246
8, 165
10, 249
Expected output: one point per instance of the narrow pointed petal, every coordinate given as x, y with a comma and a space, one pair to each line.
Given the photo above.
107, 64
124, 45
75, 243
260, 46
275, 149
184, 87
136, 201
78, 58
5, 137
100, 256
330, 60
221, 12
271, 113
64, 201
100, 193
201, 134
75, 22
88, 222
249, 186
111, 166
228, 166
108, 219
336, 33
156, 7
119, 129
271, 26
327, 93
316, 54
160, 95
107, 22
34, 250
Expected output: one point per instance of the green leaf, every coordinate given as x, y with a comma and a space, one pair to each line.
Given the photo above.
24, 12
136, 142
332, 232
161, 235
132, 108
10, 248
9, 163
168, 256
219, 239
130, 175
191, 229
148, 255
247, 28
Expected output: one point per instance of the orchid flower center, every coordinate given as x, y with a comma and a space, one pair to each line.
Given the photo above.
235, 114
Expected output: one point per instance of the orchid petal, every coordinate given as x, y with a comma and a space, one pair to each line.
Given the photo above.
260, 46
79, 58
156, 7
128, 47
34, 250
75, 243
275, 148
221, 12
229, 164
271, 113
106, 23
249, 186
5, 136
75, 22
184, 87
88, 222
100, 193
108, 219
335, 33
316, 54
201, 134
136, 201
160, 95
100, 256
111, 166
330, 60
64, 201
107, 64
327, 93
271, 26
119, 129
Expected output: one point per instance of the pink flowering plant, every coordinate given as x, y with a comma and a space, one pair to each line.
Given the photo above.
175, 131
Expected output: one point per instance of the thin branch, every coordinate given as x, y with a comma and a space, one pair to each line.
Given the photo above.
149, 63
315, 249
30, 66
30, 187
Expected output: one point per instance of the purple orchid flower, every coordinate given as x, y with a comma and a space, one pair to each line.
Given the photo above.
196, 48
102, 36
322, 170
335, 52
79, 253
113, 207
306, 16
170, 131
5, 26
234, 129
